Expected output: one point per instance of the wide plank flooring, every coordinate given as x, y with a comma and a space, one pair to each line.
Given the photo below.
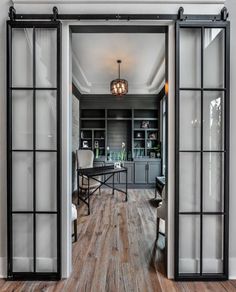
116, 251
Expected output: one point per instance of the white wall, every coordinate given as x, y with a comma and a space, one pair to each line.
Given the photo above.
167, 7
231, 5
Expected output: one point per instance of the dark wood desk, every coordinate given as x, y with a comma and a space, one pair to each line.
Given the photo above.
94, 173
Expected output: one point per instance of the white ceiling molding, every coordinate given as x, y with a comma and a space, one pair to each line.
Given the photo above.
157, 68
158, 87
158, 78
82, 89
80, 72
94, 61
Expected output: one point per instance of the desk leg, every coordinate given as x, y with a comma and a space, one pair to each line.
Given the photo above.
113, 184
88, 196
126, 185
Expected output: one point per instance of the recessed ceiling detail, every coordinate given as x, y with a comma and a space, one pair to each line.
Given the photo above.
94, 61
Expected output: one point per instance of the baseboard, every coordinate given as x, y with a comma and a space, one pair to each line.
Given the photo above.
3, 267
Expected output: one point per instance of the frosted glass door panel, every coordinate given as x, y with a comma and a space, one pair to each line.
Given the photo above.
46, 243
22, 182
212, 244
214, 55
190, 120
22, 232
22, 57
46, 181
213, 182
190, 57
189, 244
213, 115
46, 57
46, 120
189, 182
22, 119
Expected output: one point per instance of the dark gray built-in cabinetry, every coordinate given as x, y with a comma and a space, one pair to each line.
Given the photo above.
139, 172
107, 122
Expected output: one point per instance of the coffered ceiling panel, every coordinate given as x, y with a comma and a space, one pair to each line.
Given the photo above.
94, 61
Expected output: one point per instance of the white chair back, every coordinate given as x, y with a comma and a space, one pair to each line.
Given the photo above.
84, 158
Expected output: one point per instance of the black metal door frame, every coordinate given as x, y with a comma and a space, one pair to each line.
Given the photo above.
202, 25
32, 275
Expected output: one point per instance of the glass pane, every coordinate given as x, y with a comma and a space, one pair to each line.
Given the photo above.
212, 244
190, 57
190, 120
213, 116
46, 181
214, 50
189, 182
46, 120
22, 181
22, 232
22, 57
46, 243
46, 57
189, 244
22, 119
213, 182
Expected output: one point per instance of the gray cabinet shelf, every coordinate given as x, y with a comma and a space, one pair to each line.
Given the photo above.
110, 127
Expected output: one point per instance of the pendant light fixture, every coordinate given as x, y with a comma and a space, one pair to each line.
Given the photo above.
119, 86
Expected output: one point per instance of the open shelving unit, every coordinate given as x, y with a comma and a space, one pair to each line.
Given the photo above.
145, 132
93, 130
137, 128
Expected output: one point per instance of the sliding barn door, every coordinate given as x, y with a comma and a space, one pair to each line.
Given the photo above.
33, 130
202, 150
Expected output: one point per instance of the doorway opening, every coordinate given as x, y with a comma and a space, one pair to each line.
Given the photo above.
129, 130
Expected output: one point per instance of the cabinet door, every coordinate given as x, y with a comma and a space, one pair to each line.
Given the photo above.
154, 170
116, 177
140, 172
130, 174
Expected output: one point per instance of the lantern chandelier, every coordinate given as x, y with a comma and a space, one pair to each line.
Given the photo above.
119, 86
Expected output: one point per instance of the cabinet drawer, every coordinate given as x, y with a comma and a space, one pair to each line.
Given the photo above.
140, 172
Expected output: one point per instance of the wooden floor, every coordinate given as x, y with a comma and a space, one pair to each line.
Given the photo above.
116, 251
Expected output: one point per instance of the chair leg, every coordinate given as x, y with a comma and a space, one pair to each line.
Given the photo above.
157, 230
100, 191
75, 230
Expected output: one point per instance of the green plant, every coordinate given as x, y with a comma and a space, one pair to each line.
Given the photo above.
122, 152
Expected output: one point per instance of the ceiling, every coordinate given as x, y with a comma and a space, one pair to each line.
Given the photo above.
94, 61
